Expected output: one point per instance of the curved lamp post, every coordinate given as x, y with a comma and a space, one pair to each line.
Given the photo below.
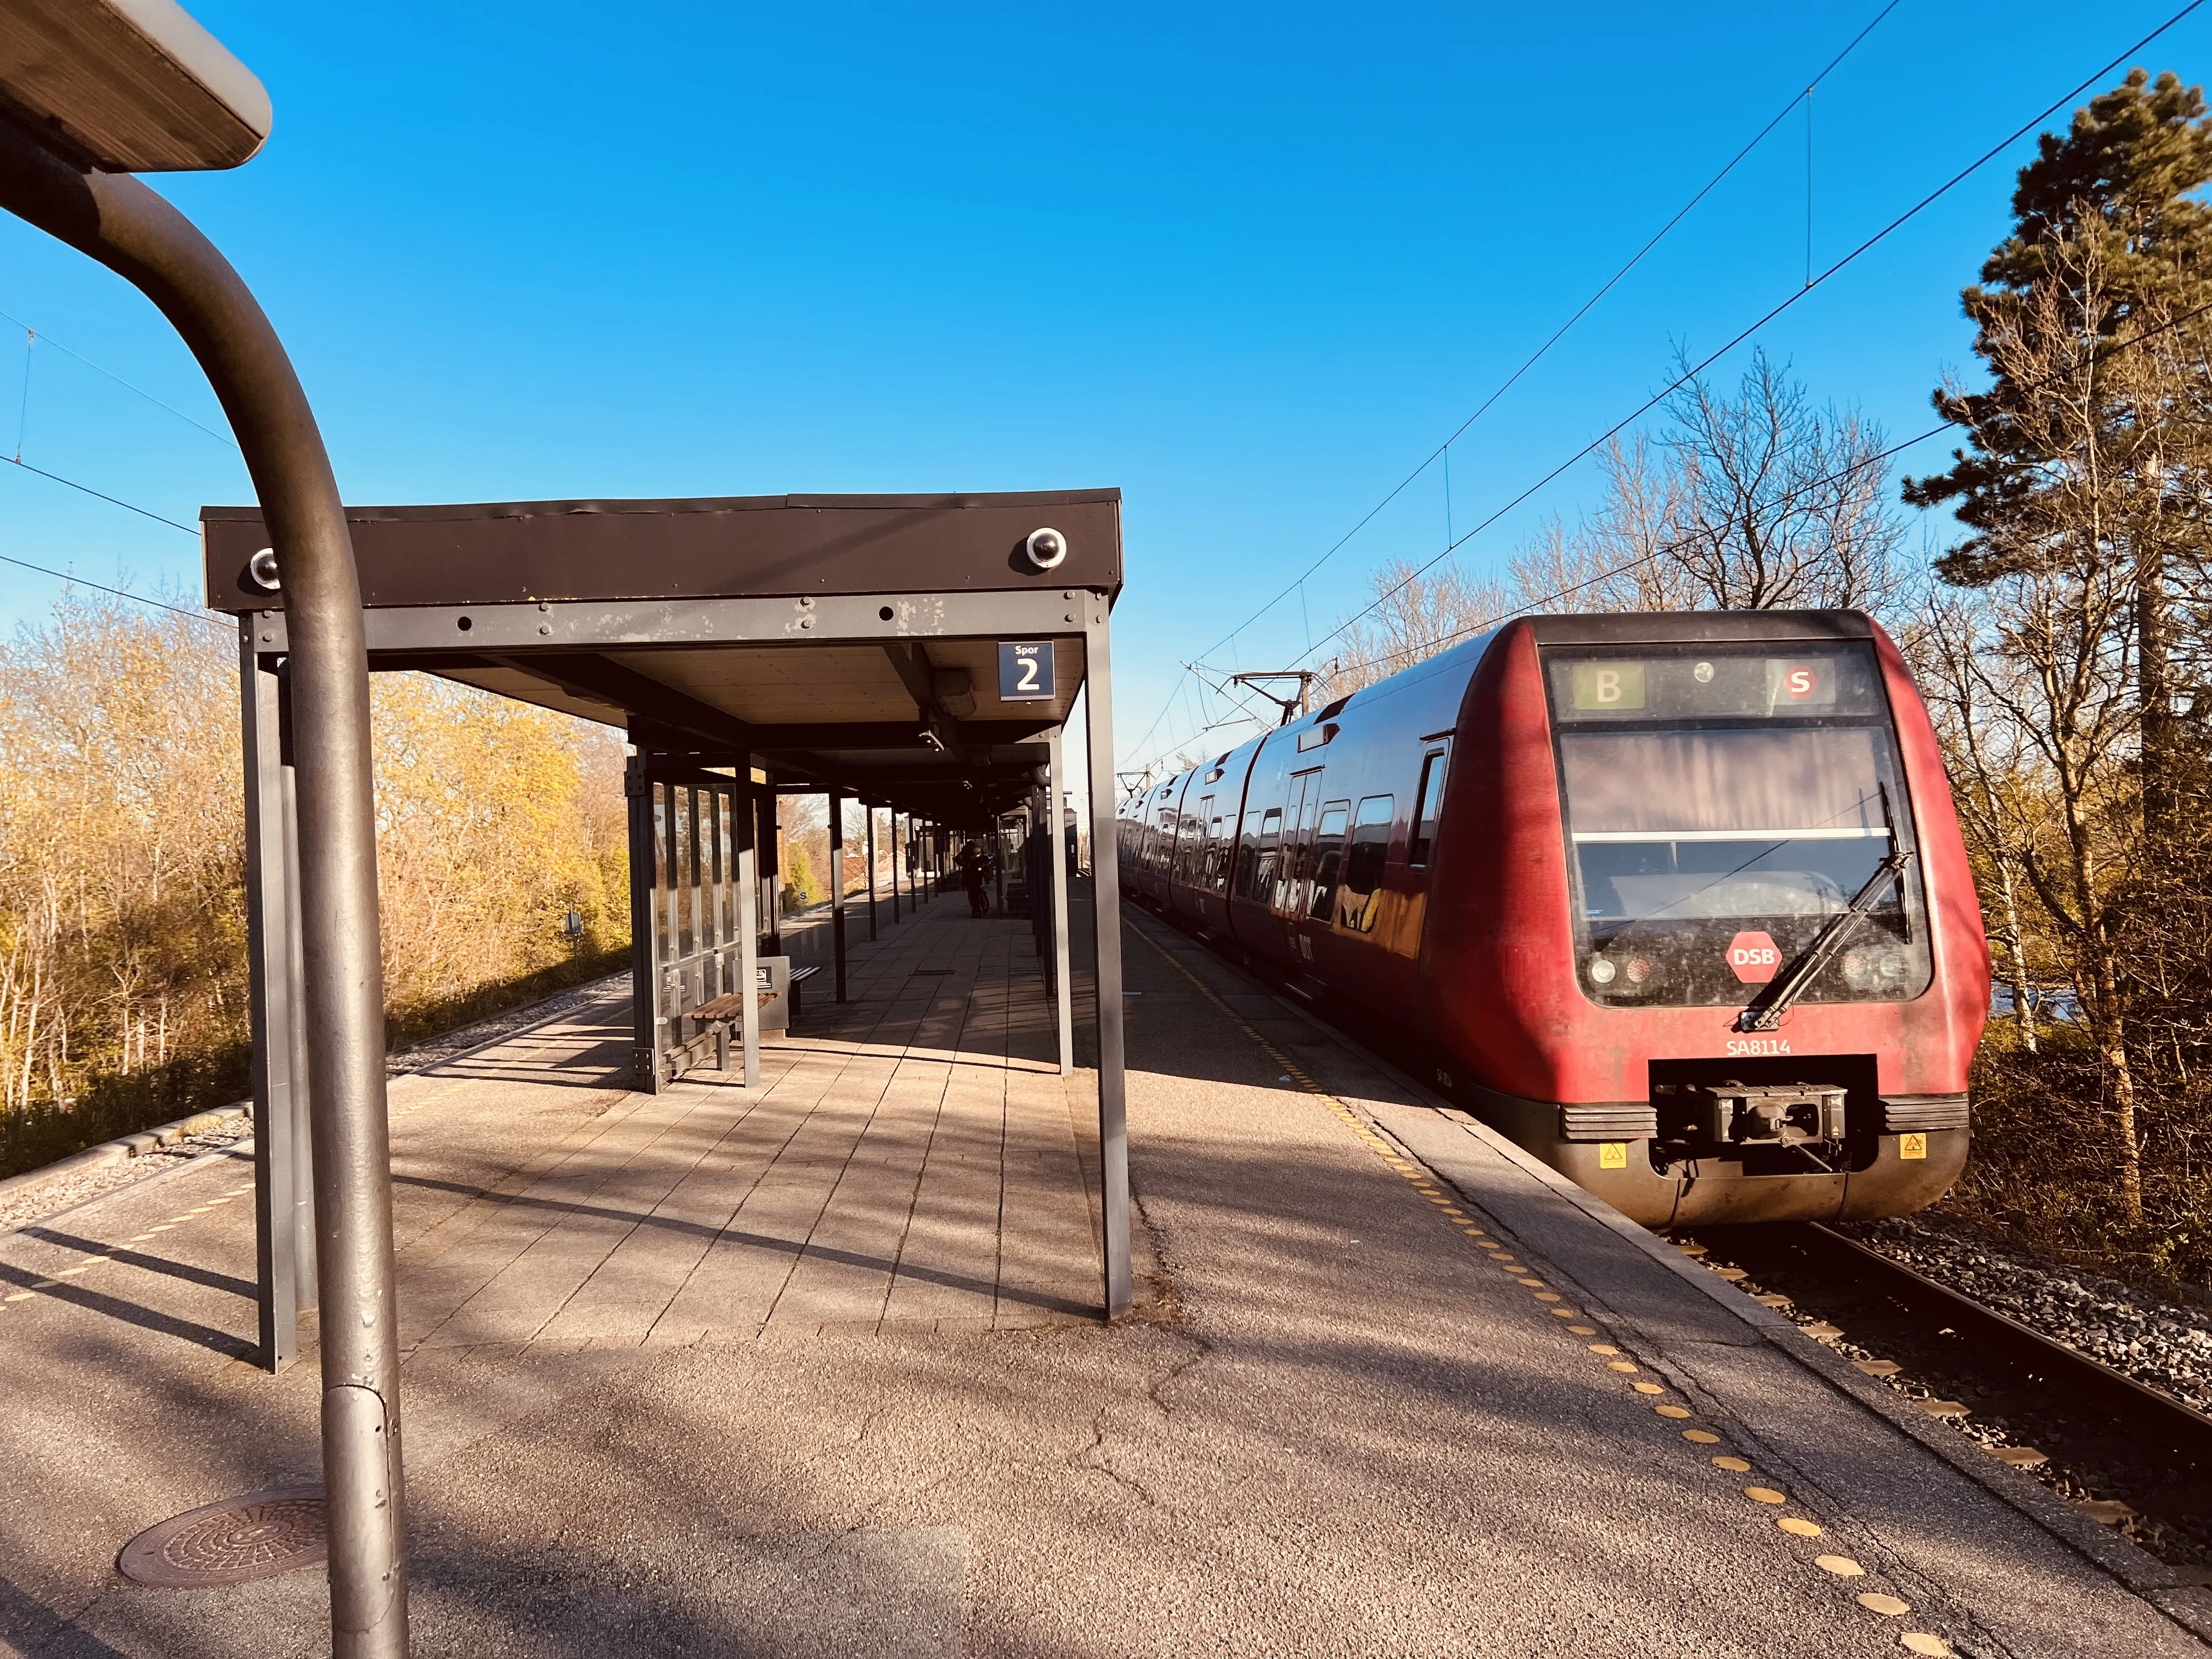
90, 92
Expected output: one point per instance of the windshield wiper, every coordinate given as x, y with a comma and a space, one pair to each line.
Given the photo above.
1766, 1009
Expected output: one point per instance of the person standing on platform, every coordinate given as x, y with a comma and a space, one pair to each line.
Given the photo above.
972, 873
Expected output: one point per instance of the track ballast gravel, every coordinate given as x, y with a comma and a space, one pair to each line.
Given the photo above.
2165, 1345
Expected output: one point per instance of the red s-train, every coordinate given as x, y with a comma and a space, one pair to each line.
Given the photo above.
1677, 901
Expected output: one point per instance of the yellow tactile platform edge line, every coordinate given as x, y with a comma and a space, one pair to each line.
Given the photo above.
1430, 1186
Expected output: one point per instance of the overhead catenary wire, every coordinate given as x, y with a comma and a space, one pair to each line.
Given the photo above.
120, 593
1192, 670
1813, 283
1566, 327
2101, 354
24, 408
222, 437
101, 494
1429, 648
1865, 247
32, 338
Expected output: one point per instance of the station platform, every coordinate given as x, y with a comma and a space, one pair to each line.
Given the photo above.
821, 1372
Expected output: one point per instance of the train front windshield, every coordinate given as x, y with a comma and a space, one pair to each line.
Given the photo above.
1723, 804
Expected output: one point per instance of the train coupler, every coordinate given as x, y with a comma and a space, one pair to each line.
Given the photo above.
1768, 1115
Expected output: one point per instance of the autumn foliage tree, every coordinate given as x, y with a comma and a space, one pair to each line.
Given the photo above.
122, 861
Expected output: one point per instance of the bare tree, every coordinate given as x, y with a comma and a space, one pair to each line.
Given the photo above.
1773, 504
122, 901
1416, 614
1622, 557
2000, 790
1753, 501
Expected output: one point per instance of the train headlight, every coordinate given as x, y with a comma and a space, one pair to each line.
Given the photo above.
1639, 971
1858, 970
1602, 970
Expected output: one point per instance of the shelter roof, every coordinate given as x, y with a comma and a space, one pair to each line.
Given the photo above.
845, 639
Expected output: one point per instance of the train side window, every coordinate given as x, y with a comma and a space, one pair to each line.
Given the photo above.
1217, 857
1328, 856
1358, 900
1431, 800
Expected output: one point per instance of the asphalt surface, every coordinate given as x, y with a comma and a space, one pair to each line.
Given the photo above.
1341, 1426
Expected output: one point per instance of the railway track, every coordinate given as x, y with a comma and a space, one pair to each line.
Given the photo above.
2123, 1452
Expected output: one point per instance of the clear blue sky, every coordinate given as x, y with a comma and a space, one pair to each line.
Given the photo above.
1249, 264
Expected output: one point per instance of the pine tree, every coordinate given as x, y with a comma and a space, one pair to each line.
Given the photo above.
2084, 488
2104, 215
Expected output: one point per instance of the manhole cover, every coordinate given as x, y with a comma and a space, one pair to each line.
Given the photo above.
241, 1539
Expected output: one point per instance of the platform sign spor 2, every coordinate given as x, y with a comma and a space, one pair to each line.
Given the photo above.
1753, 957
1025, 671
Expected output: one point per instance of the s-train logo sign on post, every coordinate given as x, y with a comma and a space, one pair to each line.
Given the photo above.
1025, 671
1754, 958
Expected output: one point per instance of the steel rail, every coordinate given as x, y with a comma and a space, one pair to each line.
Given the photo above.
2157, 1421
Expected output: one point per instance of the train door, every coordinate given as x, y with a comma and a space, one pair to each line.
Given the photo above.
1325, 861
1190, 856
1160, 850
1287, 888
1407, 912
1209, 864
1313, 851
1258, 848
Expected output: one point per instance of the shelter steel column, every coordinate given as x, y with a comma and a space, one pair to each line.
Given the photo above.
120, 221
644, 919
749, 919
837, 886
872, 875
772, 877
296, 964
1062, 995
283, 1169
894, 856
1106, 911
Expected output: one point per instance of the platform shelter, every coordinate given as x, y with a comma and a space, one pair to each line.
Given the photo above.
918, 654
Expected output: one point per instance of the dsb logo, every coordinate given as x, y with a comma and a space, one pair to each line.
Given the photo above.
1753, 957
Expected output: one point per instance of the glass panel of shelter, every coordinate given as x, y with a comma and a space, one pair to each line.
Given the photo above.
696, 951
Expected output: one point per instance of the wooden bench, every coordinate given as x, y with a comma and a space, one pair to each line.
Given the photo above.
719, 1014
